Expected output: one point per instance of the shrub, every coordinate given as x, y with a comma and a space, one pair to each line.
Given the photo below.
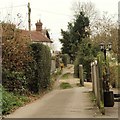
57, 61
65, 59
38, 70
14, 81
11, 101
114, 76
85, 57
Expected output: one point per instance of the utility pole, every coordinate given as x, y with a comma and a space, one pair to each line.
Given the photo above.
119, 32
29, 20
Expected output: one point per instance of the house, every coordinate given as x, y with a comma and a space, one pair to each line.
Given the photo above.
39, 35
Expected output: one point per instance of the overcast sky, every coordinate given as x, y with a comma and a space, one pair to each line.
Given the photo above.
54, 14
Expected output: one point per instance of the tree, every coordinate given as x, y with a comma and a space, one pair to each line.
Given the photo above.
106, 31
88, 8
85, 56
76, 32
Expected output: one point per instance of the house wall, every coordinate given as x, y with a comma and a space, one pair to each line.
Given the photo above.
53, 66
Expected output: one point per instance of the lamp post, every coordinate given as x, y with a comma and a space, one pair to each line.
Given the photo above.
104, 49
108, 95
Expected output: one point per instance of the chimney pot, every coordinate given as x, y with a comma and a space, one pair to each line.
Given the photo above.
39, 26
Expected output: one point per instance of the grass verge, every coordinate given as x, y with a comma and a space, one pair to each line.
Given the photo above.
92, 96
66, 76
93, 99
10, 102
65, 85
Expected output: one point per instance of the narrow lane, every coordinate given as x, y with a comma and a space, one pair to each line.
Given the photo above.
69, 103
65, 103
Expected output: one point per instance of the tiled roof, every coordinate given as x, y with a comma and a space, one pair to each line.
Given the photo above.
36, 36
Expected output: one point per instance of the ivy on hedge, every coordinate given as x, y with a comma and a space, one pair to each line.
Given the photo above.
14, 81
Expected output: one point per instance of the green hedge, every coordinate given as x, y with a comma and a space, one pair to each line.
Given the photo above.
35, 76
86, 67
14, 81
38, 70
65, 58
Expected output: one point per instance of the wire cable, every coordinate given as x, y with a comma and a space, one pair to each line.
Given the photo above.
51, 12
14, 6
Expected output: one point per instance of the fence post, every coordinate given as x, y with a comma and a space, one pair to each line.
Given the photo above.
81, 75
92, 76
97, 85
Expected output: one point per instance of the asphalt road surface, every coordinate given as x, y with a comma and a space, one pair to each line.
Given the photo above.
69, 103
65, 103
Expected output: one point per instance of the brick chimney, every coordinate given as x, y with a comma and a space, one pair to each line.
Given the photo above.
39, 26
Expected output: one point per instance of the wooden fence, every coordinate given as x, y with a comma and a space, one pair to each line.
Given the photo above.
97, 85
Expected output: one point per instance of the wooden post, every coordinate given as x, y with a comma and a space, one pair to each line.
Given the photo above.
119, 32
81, 75
1, 30
92, 76
0, 66
29, 19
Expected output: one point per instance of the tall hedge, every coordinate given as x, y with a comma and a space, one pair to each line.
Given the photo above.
65, 58
38, 70
15, 49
